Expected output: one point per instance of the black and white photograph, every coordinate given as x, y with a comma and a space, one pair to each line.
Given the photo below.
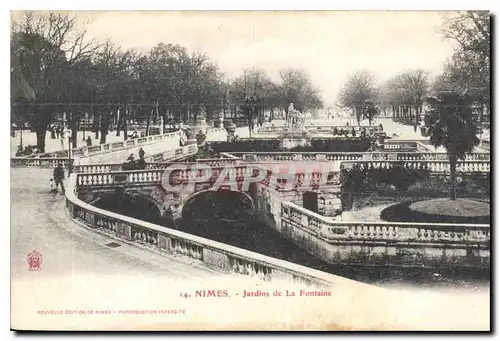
250, 170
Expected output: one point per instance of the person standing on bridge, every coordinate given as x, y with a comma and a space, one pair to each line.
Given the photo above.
59, 177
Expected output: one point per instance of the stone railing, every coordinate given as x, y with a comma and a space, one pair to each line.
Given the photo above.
429, 165
220, 162
331, 230
350, 156
45, 162
113, 175
173, 154
320, 129
139, 177
158, 161
113, 146
166, 241
405, 145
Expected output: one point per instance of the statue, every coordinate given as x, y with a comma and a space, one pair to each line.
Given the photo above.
296, 119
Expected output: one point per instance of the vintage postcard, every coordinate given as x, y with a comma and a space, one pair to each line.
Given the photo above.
250, 170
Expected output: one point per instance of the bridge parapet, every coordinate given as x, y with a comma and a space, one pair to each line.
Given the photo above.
351, 156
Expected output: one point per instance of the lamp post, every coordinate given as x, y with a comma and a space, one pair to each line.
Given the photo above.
21, 136
70, 151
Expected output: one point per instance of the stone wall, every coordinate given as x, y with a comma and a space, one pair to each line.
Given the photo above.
387, 244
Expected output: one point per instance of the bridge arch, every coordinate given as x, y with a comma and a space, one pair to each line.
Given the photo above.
130, 203
231, 196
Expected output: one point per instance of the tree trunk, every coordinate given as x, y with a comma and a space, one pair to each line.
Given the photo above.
357, 112
119, 121
453, 177
72, 125
104, 127
148, 123
97, 124
124, 120
41, 132
42, 120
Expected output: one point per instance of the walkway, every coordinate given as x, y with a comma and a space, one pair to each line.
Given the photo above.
122, 155
75, 259
52, 145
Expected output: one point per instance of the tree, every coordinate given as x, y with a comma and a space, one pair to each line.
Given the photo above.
469, 68
296, 87
370, 111
415, 85
405, 94
450, 124
358, 90
42, 46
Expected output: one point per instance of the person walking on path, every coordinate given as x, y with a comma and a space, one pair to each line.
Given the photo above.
63, 135
59, 177
141, 164
141, 153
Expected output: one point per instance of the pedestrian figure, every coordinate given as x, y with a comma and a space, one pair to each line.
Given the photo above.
63, 135
141, 153
59, 177
130, 164
141, 163
89, 141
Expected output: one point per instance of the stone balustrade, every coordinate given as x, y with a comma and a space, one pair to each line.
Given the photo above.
429, 165
142, 177
112, 146
312, 129
352, 156
182, 176
39, 162
220, 162
157, 161
427, 233
166, 241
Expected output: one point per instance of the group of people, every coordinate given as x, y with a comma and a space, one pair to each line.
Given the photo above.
28, 150
345, 132
134, 135
58, 132
132, 164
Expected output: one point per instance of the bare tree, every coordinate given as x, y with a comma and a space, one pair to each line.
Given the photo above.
358, 90
45, 43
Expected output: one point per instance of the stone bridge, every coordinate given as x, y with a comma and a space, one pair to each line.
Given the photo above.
175, 185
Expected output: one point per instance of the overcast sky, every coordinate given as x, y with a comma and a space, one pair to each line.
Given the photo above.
329, 45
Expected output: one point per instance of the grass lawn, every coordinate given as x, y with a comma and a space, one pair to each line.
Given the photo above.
461, 207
